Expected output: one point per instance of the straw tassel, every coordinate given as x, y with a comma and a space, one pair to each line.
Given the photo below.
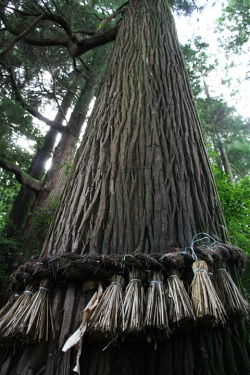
156, 317
179, 304
233, 301
9, 304
108, 318
39, 315
133, 302
11, 319
206, 303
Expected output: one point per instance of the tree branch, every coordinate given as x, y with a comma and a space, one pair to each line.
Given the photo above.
98, 40
21, 176
53, 124
113, 15
63, 42
237, 170
75, 45
22, 35
79, 48
54, 90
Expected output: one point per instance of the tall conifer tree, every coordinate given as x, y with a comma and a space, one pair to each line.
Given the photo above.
141, 183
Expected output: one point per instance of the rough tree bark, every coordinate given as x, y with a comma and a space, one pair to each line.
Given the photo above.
147, 183
141, 181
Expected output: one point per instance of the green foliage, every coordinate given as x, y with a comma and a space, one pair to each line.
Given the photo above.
15, 128
9, 188
198, 63
8, 247
185, 7
40, 223
217, 117
235, 201
235, 18
239, 154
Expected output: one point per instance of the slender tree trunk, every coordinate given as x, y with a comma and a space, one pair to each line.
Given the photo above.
141, 181
48, 198
224, 162
223, 154
26, 196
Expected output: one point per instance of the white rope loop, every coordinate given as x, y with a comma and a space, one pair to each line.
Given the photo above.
139, 281
200, 269
115, 282
156, 282
43, 288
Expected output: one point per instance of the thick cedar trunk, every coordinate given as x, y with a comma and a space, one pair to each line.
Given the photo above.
55, 179
141, 181
26, 196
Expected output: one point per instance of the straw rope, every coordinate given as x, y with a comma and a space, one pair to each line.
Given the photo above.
103, 267
28, 316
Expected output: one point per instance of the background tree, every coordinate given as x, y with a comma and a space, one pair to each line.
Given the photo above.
26, 67
227, 139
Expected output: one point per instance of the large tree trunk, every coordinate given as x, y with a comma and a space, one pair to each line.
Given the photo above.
141, 181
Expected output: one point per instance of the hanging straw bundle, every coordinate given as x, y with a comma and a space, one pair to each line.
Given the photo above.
234, 303
11, 319
38, 316
156, 317
9, 304
206, 303
133, 302
32, 318
179, 304
108, 318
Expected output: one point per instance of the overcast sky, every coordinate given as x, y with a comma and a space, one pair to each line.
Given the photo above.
204, 25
